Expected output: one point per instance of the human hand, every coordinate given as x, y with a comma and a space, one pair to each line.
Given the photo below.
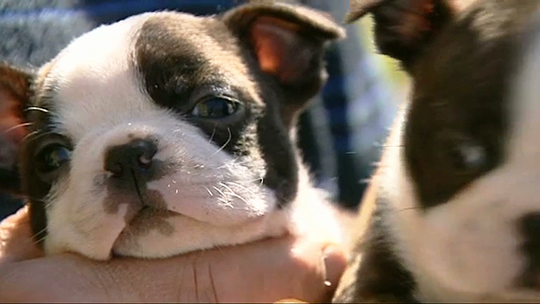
264, 271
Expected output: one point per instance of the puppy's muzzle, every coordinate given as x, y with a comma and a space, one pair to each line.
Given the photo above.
132, 165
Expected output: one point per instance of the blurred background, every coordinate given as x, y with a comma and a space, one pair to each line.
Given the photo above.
342, 132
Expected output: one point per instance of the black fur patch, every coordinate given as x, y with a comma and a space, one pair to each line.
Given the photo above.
460, 99
175, 67
177, 71
529, 227
381, 276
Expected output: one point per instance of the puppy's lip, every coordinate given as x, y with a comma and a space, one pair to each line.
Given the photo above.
146, 212
222, 209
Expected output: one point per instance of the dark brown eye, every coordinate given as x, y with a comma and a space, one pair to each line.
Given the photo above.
467, 157
215, 108
51, 157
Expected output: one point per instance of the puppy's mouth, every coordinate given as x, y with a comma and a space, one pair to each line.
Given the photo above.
148, 216
146, 212
139, 191
150, 204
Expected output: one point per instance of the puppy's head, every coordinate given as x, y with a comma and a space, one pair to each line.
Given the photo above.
164, 132
461, 174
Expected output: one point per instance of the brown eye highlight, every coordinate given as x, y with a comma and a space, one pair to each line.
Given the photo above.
467, 157
51, 157
215, 108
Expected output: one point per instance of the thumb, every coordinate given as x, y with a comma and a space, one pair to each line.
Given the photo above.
16, 242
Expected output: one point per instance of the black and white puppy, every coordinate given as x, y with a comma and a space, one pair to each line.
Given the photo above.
166, 133
453, 213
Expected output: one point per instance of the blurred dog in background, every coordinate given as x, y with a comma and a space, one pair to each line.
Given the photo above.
453, 212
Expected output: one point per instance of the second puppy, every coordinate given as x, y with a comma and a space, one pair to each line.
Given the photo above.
453, 213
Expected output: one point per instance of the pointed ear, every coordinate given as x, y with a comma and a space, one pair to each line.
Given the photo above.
14, 96
403, 28
288, 42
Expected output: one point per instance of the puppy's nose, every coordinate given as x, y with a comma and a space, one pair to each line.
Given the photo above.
134, 158
530, 229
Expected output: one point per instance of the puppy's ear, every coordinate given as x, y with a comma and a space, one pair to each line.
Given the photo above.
14, 96
288, 42
403, 28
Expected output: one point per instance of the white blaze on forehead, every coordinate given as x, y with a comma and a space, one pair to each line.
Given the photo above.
95, 79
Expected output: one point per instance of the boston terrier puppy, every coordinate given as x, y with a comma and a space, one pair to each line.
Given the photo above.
453, 212
166, 133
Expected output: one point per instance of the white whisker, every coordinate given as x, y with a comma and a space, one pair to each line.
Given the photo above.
225, 144
37, 109
213, 133
209, 192
36, 242
22, 125
240, 197
218, 190
29, 134
241, 187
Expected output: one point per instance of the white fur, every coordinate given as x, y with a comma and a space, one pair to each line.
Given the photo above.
467, 249
219, 200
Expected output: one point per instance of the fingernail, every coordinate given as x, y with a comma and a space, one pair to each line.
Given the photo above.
290, 301
334, 264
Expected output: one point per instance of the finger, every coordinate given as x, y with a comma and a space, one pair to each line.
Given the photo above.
260, 272
265, 271
65, 278
16, 241
306, 271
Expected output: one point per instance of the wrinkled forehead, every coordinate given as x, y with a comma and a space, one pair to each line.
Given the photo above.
109, 75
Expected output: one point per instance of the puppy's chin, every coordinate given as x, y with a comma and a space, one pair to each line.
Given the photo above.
156, 232
213, 208
151, 236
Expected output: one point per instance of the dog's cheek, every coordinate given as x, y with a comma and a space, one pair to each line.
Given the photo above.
211, 185
470, 244
88, 232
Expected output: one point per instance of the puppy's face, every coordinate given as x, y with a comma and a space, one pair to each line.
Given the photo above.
460, 176
165, 132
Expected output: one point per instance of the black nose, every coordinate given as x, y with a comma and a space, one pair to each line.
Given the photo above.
530, 229
134, 158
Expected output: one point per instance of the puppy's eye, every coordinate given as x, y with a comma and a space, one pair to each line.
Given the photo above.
467, 157
215, 108
52, 157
